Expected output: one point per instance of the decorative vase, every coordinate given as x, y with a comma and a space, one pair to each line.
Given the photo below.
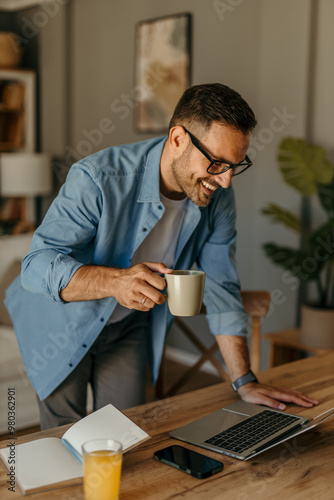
317, 326
10, 50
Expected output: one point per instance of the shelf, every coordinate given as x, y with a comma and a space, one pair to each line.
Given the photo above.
7, 147
9, 109
17, 110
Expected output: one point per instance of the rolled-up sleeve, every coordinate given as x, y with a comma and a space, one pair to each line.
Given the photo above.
225, 312
61, 243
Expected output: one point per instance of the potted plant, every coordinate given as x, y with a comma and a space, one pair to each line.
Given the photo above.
305, 168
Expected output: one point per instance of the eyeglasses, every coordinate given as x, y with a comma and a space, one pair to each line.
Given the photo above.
217, 167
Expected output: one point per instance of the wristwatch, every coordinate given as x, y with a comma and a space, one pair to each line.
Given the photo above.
245, 379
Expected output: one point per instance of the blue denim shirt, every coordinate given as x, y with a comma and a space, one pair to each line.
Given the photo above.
107, 206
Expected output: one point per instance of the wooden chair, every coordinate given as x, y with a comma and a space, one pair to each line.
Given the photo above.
256, 304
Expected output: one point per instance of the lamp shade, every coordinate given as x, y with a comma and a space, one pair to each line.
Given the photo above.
25, 174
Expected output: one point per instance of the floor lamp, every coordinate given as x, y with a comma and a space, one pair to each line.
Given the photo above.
23, 176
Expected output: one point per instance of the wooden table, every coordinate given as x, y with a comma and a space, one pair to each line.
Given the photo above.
288, 345
298, 469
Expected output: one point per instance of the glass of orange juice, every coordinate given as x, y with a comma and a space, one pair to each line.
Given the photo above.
102, 462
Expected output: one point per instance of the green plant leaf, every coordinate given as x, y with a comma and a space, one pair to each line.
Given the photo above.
326, 196
322, 243
278, 214
299, 263
304, 165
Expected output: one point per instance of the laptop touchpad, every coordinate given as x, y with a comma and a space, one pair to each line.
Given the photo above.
223, 419
209, 426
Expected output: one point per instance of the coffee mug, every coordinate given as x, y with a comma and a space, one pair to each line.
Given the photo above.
185, 291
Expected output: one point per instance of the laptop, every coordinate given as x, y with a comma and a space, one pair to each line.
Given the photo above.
243, 430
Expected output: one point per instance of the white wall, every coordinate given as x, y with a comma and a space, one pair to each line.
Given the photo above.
282, 89
104, 42
259, 47
323, 119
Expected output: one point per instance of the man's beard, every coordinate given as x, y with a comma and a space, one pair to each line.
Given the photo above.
191, 187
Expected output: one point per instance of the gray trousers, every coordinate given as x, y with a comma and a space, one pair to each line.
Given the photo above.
115, 367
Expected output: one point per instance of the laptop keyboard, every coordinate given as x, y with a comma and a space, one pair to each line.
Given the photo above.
251, 431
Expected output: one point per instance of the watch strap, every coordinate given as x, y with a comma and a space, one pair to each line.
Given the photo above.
243, 380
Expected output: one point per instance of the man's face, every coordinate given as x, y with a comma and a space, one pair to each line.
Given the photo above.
190, 168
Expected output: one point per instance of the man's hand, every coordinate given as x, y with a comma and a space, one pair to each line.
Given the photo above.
234, 350
138, 287
273, 396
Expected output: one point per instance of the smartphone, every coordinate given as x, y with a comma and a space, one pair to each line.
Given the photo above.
189, 461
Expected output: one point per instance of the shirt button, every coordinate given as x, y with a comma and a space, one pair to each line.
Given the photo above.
160, 207
84, 345
101, 319
70, 365
144, 229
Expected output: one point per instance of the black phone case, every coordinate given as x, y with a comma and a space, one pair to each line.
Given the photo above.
197, 474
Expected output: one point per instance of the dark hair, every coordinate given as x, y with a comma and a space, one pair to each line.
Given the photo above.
204, 104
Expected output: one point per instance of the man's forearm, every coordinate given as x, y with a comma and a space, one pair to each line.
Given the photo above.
234, 350
90, 283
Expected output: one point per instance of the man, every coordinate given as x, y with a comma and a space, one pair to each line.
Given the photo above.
124, 217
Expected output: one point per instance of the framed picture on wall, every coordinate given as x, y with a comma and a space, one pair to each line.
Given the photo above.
162, 70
